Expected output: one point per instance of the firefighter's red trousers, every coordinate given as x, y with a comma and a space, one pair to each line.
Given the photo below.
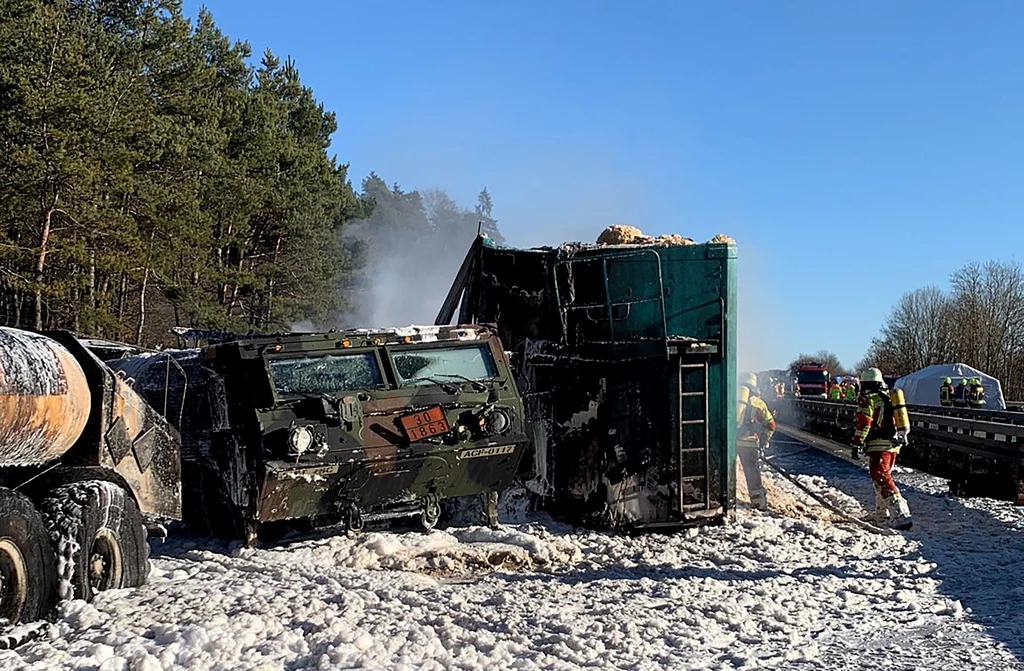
880, 466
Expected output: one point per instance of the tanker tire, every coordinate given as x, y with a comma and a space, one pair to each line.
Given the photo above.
28, 577
103, 519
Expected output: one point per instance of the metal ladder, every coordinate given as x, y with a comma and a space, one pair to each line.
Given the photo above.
702, 474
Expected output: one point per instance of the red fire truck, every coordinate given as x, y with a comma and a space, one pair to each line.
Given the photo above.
810, 378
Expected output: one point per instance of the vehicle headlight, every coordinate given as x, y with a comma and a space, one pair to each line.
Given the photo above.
300, 439
497, 422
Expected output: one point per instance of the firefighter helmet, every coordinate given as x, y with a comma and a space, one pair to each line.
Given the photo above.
749, 379
871, 375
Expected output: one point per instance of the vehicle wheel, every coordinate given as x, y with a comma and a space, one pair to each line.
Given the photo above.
431, 512
28, 576
98, 534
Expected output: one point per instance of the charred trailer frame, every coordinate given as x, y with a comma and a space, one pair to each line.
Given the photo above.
626, 359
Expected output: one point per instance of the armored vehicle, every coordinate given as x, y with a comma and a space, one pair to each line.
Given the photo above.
340, 427
626, 358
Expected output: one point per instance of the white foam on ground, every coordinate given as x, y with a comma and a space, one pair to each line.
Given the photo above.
766, 591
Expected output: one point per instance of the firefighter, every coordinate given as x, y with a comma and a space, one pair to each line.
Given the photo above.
946, 392
876, 433
851, 390
975, 393
960, 394
755, 428
835, 392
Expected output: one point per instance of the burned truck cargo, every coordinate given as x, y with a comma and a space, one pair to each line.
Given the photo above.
625, 356
341, 427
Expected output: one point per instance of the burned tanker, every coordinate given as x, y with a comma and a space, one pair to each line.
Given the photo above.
82, 458
341, 427
625, 355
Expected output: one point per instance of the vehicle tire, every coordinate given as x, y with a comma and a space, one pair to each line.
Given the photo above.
99, 538
28, 577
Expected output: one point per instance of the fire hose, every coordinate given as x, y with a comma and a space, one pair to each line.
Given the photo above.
867, 526
836, 450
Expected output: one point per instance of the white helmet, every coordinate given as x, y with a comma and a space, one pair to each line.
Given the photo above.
872, 375
749, 379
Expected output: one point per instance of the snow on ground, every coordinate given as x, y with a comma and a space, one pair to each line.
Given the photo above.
766, 591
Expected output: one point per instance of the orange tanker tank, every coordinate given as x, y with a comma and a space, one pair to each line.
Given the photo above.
44, 398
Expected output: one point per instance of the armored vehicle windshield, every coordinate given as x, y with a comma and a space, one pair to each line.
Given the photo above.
426, 366
325, 373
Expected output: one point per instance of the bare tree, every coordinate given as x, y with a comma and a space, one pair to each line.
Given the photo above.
918, 332
980, 323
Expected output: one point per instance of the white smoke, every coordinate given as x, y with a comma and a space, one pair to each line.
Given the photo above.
764, 329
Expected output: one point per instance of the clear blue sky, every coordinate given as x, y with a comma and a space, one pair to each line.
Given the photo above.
854, 150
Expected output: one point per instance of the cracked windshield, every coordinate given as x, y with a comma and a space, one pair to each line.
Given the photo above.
325, 374
444, 363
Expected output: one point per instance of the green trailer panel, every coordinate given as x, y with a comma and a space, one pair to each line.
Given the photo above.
626, 356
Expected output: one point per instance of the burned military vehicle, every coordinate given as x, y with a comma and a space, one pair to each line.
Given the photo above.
341, 427
85, 464
626, 358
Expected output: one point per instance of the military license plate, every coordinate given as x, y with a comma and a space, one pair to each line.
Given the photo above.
424, 424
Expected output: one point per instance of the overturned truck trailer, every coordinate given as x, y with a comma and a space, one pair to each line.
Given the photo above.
625, 356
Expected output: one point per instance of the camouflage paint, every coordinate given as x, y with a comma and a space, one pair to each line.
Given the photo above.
238, 468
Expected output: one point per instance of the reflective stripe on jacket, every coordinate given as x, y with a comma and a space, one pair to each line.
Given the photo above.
876, 429
756, 419
976, 395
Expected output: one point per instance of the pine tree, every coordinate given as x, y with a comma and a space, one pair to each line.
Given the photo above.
488, 225
150, 177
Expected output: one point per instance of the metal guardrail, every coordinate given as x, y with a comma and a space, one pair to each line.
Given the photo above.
981, 452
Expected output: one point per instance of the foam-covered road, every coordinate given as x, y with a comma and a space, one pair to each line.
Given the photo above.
771, 590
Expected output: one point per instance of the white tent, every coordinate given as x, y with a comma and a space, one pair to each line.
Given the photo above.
922, 387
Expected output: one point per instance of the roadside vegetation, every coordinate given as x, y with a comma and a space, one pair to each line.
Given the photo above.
154, 174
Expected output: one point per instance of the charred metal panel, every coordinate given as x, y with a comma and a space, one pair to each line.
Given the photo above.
118, 420
626, 359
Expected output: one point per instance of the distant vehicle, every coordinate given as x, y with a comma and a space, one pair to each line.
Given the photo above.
810, 378
340, 427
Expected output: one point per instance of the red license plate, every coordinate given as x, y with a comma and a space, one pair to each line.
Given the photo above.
424, 424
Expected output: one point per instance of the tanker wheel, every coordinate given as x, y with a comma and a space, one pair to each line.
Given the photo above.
28, 576
431, 512
97, 529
